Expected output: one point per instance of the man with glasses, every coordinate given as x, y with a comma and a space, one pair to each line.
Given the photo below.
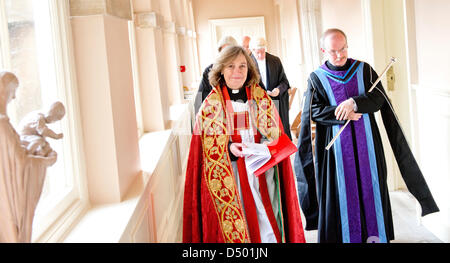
351, 204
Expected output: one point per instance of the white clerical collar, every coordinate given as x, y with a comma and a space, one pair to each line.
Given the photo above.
235, 91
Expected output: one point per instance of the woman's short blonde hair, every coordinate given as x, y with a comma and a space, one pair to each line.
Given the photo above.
225, 57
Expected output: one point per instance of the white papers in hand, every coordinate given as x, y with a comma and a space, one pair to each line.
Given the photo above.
256, 155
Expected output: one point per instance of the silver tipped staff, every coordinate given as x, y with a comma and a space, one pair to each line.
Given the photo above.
393, 60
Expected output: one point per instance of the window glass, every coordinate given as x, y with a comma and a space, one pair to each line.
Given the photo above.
23, 56
28, 50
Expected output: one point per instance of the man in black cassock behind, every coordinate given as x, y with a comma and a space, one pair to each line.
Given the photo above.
274, 80
343, 192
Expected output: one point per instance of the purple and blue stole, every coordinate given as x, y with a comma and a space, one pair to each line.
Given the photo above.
339, 86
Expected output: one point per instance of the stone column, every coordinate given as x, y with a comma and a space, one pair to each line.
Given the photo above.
193, 39
190, 58
105, 88
183, 61
311, 31
172, 57
194, 57
152, 76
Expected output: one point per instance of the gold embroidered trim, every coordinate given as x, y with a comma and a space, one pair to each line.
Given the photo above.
266, 119
219, 175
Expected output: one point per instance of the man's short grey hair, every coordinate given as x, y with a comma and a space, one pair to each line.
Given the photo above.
329, 32
258, 43
226, 41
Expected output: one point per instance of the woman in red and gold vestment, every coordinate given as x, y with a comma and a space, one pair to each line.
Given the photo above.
223, 200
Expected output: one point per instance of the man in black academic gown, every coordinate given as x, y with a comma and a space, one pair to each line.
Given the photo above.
274, 80
343, 191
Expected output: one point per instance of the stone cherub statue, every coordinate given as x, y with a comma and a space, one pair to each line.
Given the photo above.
22, 173
33, 129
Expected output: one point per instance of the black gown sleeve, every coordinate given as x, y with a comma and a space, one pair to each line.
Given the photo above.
407, 164
283, 85
321, 110
203, 90
304, 166
371, 101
